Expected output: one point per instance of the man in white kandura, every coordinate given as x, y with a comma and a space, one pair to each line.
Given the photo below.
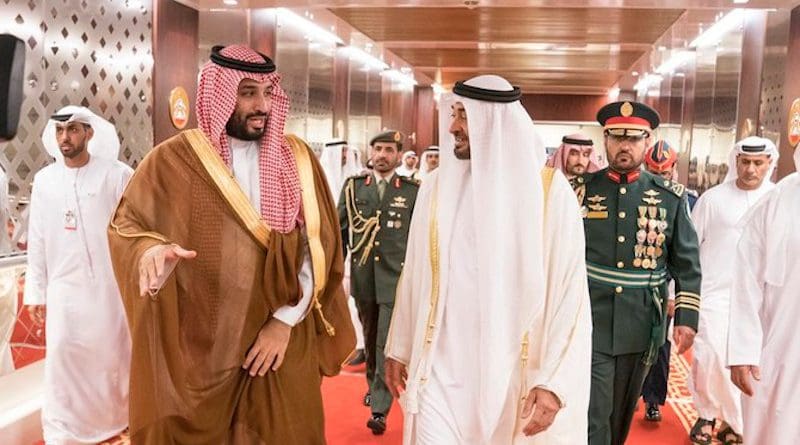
408, 164
340, 162
429, 163
716, 218
763, 351
491, 333
69, 270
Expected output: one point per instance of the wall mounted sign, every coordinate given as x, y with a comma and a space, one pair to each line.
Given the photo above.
179, 107
794, 123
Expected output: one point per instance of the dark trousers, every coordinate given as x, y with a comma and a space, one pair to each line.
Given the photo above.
616, 385
654, 390
375, 319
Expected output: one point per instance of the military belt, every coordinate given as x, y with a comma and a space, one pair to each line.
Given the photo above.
625, 277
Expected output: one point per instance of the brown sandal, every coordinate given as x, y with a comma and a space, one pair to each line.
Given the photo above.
697, 436
724, 435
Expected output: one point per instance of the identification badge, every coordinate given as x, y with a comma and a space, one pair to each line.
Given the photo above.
70, 220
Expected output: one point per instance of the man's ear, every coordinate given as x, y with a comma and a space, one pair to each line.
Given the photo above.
89, 133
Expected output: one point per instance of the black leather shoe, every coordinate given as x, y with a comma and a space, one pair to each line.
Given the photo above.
652, 413
367, 398
377, 423
358, 358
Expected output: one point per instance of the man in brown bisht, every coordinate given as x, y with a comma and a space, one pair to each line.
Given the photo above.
226, 248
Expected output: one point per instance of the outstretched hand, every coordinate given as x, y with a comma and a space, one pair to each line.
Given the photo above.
157, 263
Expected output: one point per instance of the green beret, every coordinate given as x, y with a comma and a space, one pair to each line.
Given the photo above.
389, 136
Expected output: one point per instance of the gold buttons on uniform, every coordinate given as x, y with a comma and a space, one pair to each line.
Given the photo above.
618, 289
622, 214
623, 190
620, 265
377, 258
621, 238
377, 243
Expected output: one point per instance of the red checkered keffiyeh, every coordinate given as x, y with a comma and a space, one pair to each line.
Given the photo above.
216, 101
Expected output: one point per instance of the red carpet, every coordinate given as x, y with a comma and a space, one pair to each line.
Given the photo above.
346, 417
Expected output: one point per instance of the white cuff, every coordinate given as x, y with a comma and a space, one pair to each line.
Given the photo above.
291, 315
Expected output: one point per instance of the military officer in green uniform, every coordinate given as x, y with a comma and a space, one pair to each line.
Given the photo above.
375, 212
637, 232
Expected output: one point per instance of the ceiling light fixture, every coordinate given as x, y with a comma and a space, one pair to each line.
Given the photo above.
368, 60
646, 81
674, 62
714, 34
311, 30
405, 80
740, 2
230, 2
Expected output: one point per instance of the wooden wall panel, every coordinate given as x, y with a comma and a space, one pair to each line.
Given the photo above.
753, 44
175, 46
424, 111
791, 91
563, 107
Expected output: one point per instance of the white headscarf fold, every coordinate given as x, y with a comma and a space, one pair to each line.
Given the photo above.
507, 157
737, 150
402, 170
423, 163
104, 144
331, 161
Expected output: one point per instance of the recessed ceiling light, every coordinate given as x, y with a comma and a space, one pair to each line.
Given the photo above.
740, 2
230, 2
635, 73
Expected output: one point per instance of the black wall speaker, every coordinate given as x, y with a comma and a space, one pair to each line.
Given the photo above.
12, 70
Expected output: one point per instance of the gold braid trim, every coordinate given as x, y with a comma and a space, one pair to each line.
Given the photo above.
152, 235
357, 224
433, 246
313, 222
227, 185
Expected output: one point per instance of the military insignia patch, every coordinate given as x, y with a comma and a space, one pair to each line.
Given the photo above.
596, 199
597, 215
397, 136
399, 202
626, 110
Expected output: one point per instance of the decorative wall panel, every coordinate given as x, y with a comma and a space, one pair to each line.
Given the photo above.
79, 52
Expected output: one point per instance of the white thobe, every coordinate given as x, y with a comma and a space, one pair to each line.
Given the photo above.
244, 159
69, 269
716, 218
765, 309
441, 403
449, 407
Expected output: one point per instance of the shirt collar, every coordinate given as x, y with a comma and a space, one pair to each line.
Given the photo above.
623, 178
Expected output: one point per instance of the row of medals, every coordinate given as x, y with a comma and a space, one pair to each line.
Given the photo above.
650, 237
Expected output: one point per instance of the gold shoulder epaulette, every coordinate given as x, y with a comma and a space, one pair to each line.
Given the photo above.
410, 180
675, 187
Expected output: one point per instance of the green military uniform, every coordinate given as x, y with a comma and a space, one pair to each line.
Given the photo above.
638, 231
375, 231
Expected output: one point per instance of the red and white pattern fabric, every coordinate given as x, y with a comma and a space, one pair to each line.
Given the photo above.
216, 102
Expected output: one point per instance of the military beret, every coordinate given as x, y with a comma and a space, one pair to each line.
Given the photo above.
660, 157
389, 136
628, 118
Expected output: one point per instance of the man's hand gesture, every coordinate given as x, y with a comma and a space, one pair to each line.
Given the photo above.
157, 263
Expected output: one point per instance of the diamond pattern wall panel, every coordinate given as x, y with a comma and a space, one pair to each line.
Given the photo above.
92, 53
